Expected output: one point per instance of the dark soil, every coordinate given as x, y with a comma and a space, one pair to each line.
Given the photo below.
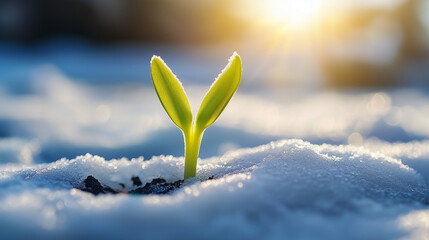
136, 181
156, 186
92, 185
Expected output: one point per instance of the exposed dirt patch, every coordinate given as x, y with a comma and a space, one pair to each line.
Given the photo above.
156, 186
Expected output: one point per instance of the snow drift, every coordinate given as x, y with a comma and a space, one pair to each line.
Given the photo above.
289, 188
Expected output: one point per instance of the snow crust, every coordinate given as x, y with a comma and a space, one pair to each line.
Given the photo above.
15, 150
414, 154
65, 102
62, 117
289, 188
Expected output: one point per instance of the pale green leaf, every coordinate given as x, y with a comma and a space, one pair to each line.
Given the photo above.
171, 94
220, 93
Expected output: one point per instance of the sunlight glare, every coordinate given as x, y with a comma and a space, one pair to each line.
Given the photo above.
293, 14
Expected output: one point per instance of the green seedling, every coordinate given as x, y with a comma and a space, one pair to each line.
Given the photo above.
175, 102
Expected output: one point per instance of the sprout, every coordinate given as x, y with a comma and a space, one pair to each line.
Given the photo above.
175, 102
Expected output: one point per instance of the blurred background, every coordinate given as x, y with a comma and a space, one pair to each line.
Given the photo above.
75, 74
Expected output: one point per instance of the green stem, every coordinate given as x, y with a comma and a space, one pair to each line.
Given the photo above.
192, 147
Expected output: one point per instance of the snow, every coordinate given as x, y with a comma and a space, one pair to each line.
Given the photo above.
66, 118
16, 150
340, 165
415, 154
286, 188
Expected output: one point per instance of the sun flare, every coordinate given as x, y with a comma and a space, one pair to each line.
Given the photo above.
293, 14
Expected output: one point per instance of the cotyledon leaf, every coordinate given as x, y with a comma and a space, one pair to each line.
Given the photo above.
220, 93
171, 94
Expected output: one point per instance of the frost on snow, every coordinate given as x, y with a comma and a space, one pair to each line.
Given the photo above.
289, 188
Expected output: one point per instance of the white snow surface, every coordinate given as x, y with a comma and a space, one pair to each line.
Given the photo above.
62, 117
289, 189
374, 188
